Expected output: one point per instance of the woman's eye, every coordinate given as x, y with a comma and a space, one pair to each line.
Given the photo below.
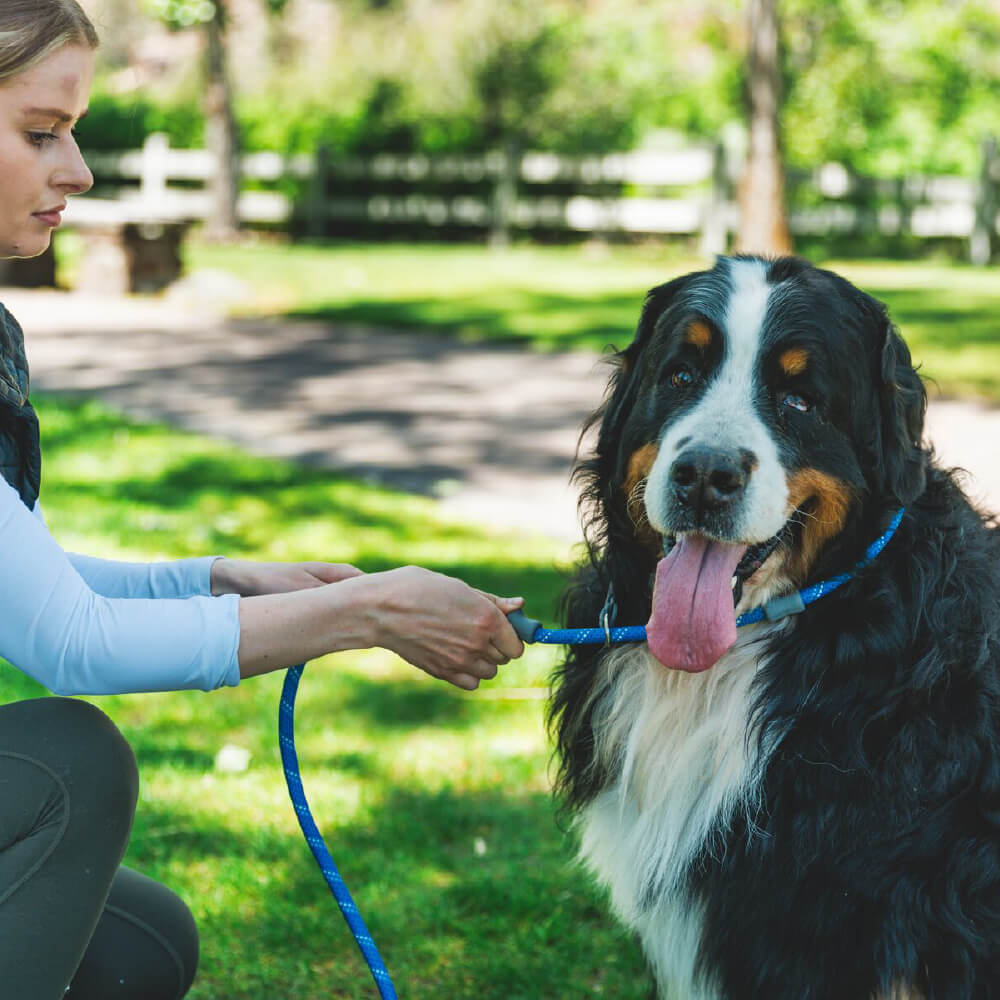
40, 138
681, 377
796, 401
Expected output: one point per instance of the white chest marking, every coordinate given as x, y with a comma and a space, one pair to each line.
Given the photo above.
686, 760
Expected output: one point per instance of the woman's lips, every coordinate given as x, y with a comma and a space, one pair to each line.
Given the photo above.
51, 218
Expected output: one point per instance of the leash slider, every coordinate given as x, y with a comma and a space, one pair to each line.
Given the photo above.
782, 607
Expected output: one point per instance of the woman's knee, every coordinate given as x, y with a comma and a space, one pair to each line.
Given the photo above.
86, 750
103, 776
145, 946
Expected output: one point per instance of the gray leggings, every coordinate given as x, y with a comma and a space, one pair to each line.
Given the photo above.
70, 916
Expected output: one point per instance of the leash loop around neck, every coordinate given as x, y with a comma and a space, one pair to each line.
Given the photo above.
608, 614
531, 631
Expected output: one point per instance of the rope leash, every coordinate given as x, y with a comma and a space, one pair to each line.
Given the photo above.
530, 631
290, 761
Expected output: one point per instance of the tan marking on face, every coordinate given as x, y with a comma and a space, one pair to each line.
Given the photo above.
634, 488
698, 334
794, 361
829, 500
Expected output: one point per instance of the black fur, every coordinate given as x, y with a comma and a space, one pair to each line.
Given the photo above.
874, 859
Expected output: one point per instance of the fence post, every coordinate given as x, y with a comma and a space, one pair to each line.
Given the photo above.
316, 215
504, 200
715, 222
983, 240
153, 181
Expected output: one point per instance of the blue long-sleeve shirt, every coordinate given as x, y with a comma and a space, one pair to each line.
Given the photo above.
80, 625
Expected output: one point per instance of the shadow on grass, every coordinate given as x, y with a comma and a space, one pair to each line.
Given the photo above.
279, 494
560, 322
403, 705
469, 894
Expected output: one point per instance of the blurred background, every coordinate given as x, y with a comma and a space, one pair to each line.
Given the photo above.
834, 127
342, 290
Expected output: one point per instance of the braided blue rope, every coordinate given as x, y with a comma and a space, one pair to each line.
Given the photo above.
532, 631
290, 761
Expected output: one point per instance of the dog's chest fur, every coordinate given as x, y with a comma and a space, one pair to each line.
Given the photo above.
686, 757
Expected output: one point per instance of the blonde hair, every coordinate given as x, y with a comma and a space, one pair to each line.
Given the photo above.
32, 29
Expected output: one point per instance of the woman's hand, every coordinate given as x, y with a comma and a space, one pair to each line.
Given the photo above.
251, 579
443, 626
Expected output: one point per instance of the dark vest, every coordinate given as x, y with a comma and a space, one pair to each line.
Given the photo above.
20, 450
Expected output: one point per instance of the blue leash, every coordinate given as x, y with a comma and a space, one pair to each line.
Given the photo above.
290, 760
532, 631
529, 631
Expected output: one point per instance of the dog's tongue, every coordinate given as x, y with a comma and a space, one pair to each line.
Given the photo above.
693, 622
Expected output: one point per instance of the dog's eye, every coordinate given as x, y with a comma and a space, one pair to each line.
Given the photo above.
796, 401
680, 377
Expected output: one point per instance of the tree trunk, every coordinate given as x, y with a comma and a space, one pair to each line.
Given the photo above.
763, 217
221, 135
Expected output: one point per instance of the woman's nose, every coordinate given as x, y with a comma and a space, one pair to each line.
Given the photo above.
73, 175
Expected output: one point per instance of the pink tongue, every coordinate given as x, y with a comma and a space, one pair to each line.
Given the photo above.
693, 622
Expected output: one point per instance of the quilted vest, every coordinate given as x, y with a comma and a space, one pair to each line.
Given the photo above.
20, 449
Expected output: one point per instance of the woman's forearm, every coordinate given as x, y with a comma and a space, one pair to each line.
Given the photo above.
280, 630
435, 622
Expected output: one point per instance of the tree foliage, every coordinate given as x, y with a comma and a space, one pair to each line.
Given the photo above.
182, 13
889, 86
886, 86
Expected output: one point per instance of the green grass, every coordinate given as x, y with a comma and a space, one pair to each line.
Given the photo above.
543, 297
436, 803
571, 297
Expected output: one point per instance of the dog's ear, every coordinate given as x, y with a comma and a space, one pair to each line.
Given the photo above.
624, 382
902, 402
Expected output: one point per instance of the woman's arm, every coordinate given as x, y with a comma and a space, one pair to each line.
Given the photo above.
116, 578
437, 623
74, 641
168, 579
251, 579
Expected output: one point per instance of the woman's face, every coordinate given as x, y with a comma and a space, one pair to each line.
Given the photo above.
40, 162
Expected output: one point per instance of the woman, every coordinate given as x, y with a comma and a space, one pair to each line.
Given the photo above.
72, 921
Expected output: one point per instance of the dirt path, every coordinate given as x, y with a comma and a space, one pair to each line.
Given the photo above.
491, 431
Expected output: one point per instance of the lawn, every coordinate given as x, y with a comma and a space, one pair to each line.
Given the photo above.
589, 297
435, 803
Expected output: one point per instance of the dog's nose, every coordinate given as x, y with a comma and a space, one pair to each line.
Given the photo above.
708, 480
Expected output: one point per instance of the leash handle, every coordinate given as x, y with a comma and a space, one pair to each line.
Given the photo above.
524, 626
530, 631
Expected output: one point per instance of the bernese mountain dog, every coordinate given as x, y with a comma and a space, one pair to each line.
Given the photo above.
808, 807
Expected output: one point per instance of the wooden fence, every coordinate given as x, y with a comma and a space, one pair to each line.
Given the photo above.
683, 192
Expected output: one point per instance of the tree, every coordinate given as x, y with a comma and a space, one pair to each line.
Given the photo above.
763, 224
222, 138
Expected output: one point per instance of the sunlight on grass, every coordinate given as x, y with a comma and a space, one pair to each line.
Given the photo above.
547, 297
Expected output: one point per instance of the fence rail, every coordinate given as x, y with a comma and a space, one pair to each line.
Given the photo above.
687, 191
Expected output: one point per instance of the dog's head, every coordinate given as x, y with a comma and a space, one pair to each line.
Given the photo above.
765, 417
